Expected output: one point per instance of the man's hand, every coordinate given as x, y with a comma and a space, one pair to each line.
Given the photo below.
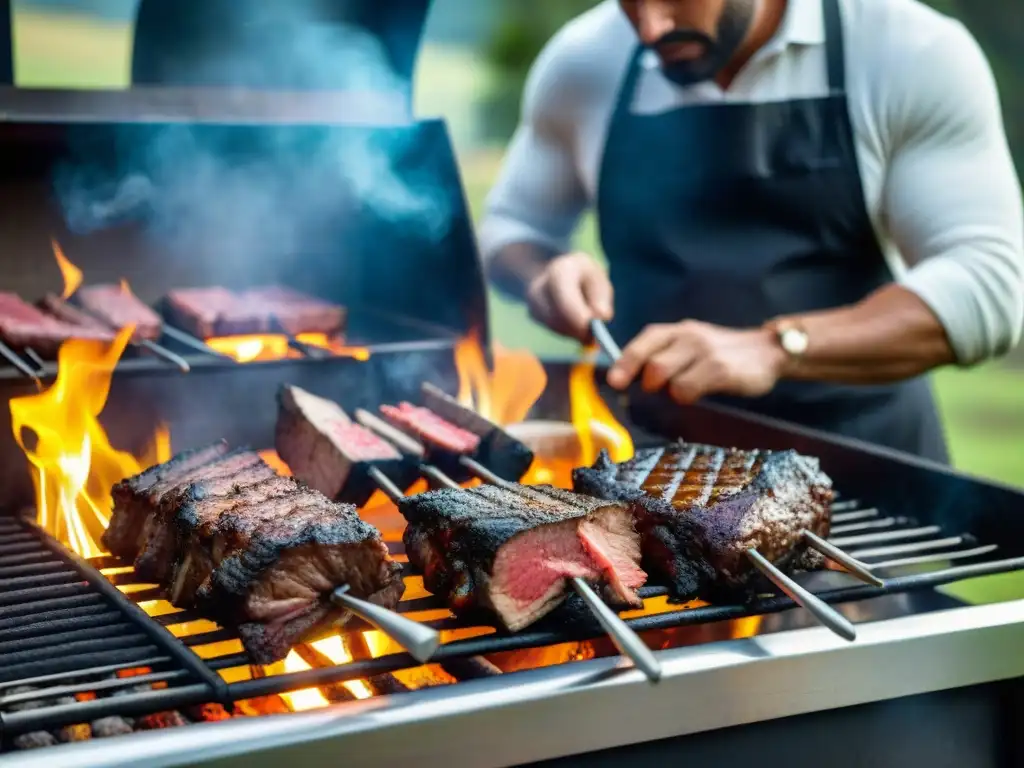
695, 359
571, 291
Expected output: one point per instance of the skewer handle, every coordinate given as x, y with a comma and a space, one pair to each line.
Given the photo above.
626, 640
604, 339
835, 554
821, 611
418, 639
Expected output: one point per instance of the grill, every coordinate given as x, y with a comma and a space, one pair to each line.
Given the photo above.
740, 682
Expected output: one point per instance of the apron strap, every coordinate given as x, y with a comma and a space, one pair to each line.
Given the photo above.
628, 87
835, 50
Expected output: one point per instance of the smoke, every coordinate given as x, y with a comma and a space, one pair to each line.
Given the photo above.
272, 191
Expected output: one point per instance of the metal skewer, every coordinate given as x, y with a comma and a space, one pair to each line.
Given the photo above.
604, 339
15, 359
824, 613
625, 639
190, 341
35, 359
418, 639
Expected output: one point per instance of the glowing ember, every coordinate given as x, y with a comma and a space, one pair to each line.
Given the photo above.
270, 346
72, 275
75, 464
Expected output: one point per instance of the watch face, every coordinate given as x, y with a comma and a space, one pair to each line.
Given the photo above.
794, 341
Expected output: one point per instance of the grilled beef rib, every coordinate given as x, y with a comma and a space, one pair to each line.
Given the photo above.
513, 549
699, 508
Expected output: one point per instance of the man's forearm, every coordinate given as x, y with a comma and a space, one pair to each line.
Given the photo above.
516, 265
889, 336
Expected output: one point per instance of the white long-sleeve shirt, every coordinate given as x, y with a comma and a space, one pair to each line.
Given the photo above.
939, 182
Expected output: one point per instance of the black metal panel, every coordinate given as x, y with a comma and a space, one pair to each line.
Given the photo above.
279, 44
948, 729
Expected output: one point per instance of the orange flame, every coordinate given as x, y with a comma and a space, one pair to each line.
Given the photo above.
271, 346
72, 275
506, 394
590, 412
75, 464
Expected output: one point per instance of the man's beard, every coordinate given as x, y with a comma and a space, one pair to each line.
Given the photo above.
732, 31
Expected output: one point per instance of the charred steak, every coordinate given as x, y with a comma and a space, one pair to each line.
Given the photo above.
249, 548
699, 508
325, 449
119, 307
209, 312
23, 325
513, 549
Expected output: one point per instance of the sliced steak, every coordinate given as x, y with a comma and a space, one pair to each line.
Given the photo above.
296, 312
496, 449
425, 425
119, 307
24, 326
277, 588
159, 548
325, 449
54, 305
207, 523
699, 508
513, 550
131, 497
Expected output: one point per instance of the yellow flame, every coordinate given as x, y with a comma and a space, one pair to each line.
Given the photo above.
75, 464
247, 348
589, 409
505, 394
72, 275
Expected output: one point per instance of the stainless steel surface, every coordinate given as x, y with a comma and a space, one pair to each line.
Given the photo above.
823, 612
604, 339
625, 639
851, 565
591, 705
418, 639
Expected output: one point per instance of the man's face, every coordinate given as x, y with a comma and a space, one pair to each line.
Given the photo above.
693, 38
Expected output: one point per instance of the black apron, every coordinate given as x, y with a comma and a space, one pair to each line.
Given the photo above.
734, 214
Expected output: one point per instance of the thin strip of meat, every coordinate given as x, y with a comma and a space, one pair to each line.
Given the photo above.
513, 550
699, 508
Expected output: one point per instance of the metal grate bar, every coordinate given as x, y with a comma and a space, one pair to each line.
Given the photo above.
918, 546
153, 661
68, 648
860, 514
25, 599
95, 686
44, 566
60, 577
23, 631
871, 525
878, 538
15, 617
20, 673
844, 506
51, 641
939, 558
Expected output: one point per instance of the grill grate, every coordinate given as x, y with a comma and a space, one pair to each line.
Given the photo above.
65, 629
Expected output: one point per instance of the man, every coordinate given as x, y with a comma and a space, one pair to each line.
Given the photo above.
805, 205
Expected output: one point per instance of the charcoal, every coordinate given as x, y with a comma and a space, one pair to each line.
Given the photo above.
325, 449
108, 727
699, 508
512, 550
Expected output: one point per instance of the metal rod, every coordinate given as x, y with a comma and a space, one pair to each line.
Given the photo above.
884, 536
402, 441
307, 350
15, 359
939, 557
625, 639
604, 339
850, 517
418, 639
188, 340
835, 554
165, 353
843, 506
480, 471
825, 614
913, 548
34, 356
392, 491
870, 525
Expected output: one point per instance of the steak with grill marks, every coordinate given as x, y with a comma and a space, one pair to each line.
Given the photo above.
160, 547
156, 541
276, 588
699, 508
197, 523
513, 549
325, 449
119, 307
132, 502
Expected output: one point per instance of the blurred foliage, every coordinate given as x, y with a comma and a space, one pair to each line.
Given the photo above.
525, 26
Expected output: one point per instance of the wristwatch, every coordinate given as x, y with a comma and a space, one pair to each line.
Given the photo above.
792, 336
